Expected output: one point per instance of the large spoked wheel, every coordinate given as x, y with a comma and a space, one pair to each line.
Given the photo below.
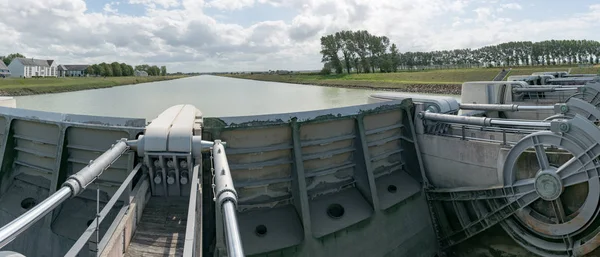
559, 175
590, 94
576, 106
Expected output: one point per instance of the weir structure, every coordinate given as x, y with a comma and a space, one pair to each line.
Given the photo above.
404, 176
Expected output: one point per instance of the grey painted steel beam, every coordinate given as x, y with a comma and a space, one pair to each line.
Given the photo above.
74, 185
480, 121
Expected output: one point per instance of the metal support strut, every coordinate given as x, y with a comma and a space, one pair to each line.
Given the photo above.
72, 187
226, 198
481, 121
505, 107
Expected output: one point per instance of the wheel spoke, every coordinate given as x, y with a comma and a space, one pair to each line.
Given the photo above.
582, 162
580, 177
559, 211
540, 154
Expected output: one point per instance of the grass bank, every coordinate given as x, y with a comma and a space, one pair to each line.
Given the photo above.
427, 81
32, 86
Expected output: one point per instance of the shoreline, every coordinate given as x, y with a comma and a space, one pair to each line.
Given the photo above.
444, 89
38, 86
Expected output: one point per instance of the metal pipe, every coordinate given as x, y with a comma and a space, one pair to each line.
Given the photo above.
74, 185
542, 89
505, 107
11, 230
535, 107
80, 180
524, 123
234, 242
480, 121
226, 198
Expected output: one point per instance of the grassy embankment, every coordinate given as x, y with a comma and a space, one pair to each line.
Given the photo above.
31, 86
428, 81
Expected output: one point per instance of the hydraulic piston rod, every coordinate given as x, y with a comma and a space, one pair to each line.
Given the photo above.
542, 89
73, 186
481, 121
505, 107
226, 199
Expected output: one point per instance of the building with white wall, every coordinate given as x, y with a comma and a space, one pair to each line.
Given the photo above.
4, 71
29, 67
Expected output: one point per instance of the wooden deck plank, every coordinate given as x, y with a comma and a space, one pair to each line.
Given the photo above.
161, 231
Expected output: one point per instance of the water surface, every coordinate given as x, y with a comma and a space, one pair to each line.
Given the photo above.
213, 95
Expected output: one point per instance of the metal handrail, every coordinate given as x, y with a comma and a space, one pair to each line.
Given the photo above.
91, 229
226, 198
191, 244
72, 187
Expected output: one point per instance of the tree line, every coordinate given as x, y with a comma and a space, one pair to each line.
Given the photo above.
360, 51
7, 59
113, 69
116, 69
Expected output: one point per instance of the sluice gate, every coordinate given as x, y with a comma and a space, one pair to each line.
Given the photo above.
400, 177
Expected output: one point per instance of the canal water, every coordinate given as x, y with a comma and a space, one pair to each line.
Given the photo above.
213, 95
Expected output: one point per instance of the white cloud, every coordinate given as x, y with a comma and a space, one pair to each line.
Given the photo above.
155, 3
110, 9
510, 6
180, 34
513, 6
230, 4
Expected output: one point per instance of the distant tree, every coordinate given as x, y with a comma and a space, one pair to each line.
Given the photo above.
7, 59
163, 70
89, 70
130, 70
107, 70
116, 69
326, 69
124, 70
394, 57
143, 67
99, 70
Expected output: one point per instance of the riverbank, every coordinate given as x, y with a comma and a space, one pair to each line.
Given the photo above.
427, 81
33, 86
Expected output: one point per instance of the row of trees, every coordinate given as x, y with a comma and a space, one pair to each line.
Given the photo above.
361, 51
116, 69
7, 59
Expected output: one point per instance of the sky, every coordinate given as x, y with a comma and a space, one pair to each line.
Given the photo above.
253, 35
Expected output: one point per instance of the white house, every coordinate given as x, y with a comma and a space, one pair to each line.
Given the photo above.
4, 71
140, 73
29, 67
72, 70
